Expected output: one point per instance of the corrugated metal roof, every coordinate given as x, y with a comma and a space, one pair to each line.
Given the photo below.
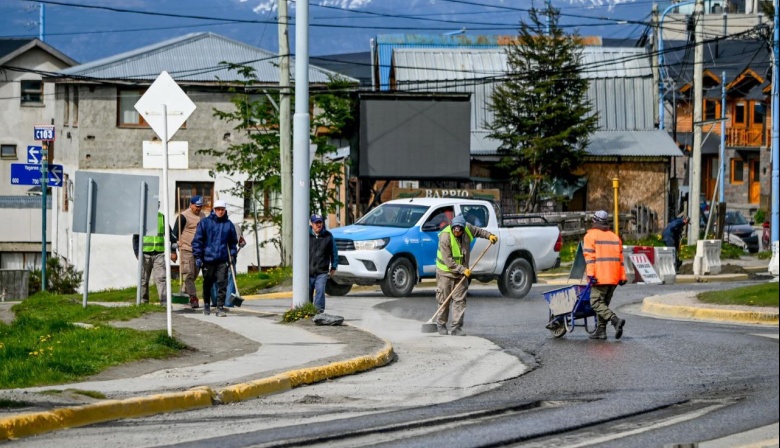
655, 143
195, 57
621, 86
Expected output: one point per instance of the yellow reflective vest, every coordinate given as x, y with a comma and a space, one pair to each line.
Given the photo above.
456, 253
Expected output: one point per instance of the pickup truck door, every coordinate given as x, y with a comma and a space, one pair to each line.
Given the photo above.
479, 215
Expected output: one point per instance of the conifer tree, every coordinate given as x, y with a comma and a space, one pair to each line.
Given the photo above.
542, 116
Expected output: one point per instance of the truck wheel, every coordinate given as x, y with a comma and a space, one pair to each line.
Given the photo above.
336, 289
399, 279
515, 281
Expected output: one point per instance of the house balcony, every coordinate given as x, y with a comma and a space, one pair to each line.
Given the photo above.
736, 137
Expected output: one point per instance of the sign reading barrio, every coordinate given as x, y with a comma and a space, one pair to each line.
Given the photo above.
488, 195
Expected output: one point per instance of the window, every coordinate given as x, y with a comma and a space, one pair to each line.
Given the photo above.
710, 109
128, 116
66, 106
65, 192
32, 93
758, 113
737, 171
739, 113
263, 203
75, 106
186, 190
8, 152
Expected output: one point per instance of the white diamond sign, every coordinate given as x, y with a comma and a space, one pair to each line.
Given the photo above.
165, 92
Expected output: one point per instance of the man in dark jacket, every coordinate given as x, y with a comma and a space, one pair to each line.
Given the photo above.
323, 260
213, 246
672, 235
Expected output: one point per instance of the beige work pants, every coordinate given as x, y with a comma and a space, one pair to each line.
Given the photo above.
188, 272
153, 266
445, 285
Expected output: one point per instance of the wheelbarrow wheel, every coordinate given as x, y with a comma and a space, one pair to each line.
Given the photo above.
558, 330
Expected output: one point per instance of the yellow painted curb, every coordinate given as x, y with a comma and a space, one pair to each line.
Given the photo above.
39, 422
651, 306
270, 295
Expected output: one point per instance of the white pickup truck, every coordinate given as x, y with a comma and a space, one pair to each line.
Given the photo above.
395, 245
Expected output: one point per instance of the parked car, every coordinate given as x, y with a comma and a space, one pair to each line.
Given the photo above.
395, 244
736, 224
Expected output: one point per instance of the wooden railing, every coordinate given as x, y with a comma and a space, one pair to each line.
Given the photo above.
744, 137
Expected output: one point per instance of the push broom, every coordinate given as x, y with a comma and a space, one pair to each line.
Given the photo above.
237, 299
431, 326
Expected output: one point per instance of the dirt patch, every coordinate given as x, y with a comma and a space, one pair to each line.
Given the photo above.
687, 269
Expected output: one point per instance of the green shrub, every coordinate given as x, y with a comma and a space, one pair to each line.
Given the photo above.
759, 216
60, 278
302, 312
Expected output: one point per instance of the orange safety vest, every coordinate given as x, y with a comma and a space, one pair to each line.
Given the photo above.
603, 253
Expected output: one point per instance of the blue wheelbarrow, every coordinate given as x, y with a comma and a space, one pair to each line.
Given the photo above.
570, 308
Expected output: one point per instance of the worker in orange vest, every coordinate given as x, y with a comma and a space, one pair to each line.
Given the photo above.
603, 253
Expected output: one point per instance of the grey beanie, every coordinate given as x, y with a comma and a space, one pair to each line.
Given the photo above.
458, 221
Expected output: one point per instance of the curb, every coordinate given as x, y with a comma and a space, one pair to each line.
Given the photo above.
270, 295
711, 278
654, 306
25, 425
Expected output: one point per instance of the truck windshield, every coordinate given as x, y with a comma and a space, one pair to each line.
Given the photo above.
393, 215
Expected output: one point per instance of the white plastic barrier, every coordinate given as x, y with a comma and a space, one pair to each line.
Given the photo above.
707, 260
774, 269
630, 274
664, 264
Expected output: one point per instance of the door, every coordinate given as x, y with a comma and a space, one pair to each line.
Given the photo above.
754, 188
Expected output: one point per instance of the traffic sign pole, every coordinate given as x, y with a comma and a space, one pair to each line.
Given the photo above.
44, 184
166, 230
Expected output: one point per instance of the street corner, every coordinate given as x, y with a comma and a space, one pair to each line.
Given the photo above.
684, 305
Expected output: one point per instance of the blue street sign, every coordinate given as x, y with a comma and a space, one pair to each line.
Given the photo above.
34, 154
30, 174
44, 132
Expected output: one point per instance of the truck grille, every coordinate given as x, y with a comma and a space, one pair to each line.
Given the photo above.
345, 244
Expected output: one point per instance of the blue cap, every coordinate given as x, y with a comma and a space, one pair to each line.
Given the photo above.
197, 200
316, 218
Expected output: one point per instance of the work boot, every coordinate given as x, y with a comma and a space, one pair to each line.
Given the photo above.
206, 308
600, 333
442, 330
194, 302
457, 332
221, 312
618, 324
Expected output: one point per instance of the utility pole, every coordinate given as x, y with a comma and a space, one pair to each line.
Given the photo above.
285, 131
698, 72
656, 74
775, 124
301, 174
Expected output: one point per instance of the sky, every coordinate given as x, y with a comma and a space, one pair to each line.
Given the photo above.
87, 30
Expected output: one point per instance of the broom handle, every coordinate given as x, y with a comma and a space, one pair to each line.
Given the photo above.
233, 270
461, 281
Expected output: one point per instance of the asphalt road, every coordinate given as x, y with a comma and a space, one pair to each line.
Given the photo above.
664, 383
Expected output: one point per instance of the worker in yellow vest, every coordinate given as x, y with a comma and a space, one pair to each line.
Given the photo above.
452, 264
153, 251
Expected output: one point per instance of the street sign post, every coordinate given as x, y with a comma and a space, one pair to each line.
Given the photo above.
34, 154
30, 174
165, 107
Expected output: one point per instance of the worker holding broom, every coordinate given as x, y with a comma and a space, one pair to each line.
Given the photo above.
452, 271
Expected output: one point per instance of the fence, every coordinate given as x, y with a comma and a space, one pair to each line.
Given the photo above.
14, 284
638, 222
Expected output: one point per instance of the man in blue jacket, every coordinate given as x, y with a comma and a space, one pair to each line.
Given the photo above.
672, 235
215, 238
323, 260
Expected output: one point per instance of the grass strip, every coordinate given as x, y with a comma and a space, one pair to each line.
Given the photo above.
764, 294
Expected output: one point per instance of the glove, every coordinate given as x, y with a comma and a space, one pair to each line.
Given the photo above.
493, 239
467, 272
592, 280
198, 263
622, 282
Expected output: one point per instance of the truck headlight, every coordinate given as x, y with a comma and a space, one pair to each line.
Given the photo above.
371, 244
